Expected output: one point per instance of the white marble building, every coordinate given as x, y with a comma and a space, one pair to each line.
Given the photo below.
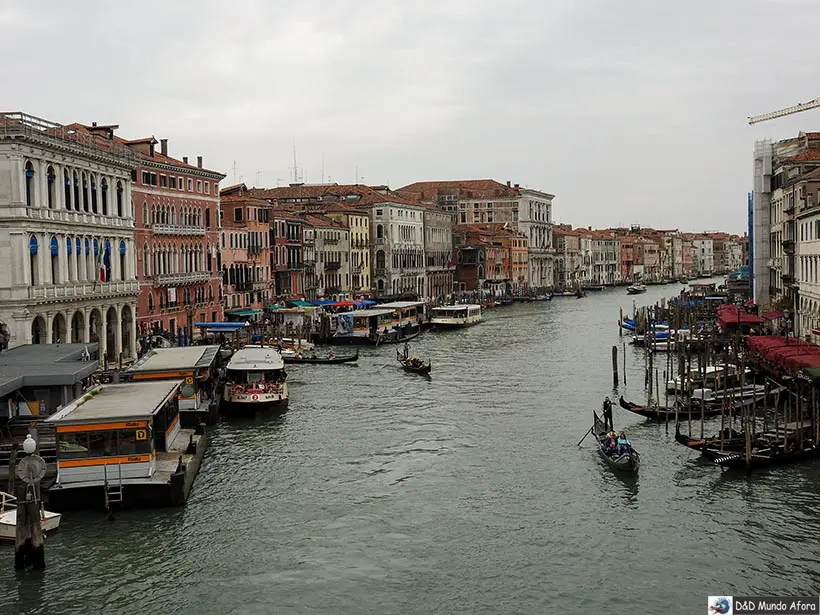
397, 229
66, 236
535, 221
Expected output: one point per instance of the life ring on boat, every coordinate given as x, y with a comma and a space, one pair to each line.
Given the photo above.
255, 397
238, 389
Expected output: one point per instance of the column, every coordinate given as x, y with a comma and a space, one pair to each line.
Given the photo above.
85, 333
115, 258
118, 333
103, 341
49, 318
133, 332
65, 259
44, 259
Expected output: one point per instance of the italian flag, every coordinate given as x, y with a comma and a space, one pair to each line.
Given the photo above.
100, 263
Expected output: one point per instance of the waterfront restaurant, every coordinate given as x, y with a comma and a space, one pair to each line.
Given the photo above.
196, 365
121, 442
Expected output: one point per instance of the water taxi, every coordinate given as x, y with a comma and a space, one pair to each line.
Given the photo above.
256, 381
373, 326
456, 316
122, 444
197, 365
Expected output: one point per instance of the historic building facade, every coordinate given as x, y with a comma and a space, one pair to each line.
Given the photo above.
438, 253
247, 258
287, 256
177, 233
66, 235
358, 223
397, 228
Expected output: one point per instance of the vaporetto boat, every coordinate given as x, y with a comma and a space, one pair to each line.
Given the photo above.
256, 381
455, 316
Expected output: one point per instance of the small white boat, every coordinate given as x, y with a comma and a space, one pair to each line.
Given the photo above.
454, 316
49, 521
636, 289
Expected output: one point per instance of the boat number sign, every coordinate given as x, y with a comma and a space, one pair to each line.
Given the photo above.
142, 434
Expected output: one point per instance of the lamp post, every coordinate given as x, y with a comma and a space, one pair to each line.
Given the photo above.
787, 323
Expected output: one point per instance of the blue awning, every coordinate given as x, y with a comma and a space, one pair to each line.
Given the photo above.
324, 302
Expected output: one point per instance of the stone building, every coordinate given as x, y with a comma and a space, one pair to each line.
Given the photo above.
438, 253
67, 235
177, 236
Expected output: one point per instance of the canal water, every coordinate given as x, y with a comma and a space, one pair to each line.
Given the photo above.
386, 492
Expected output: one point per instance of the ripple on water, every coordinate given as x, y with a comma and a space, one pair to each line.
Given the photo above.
379, 491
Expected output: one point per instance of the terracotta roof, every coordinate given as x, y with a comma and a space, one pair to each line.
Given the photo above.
318, 220
243, 199
365, 196
161, 158
809, 154
468, 188
233, 188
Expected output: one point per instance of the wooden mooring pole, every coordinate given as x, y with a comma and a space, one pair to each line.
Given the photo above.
615, 367
29, 548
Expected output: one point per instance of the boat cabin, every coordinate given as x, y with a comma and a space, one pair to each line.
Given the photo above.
456, 315
114, 432
406, 312
364, 324
196, 365
256, 377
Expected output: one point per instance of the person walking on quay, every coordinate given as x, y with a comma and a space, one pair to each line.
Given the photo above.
607, 407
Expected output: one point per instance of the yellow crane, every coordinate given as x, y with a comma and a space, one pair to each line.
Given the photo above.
812, 104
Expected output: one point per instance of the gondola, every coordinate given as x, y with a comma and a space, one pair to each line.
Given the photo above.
661, 414
766, 457
328, 360
626, 462
408, 366
710, 448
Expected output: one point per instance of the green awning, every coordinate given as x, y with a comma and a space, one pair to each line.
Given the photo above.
245, 313
273, 307
300, 303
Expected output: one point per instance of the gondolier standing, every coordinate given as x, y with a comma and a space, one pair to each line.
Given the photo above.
607, 408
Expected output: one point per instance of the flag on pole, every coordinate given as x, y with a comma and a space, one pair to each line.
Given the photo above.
100, 262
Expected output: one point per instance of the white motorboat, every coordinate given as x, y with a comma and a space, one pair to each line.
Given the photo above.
453, 316
49, 521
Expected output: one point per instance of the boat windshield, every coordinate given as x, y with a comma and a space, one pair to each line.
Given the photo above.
253, 377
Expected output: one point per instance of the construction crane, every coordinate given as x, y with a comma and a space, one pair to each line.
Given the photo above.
812, 104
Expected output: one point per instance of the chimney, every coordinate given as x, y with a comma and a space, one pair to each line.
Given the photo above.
518, 185
93, 123
508, 184
199, 161
185, 159
163, 146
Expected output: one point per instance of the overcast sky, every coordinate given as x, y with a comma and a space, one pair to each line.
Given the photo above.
630, 111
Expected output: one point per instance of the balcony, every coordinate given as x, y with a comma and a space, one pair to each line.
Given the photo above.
259, 285
356, 270
295, 266
380, 271
192, 277
787, 279
86, 290
332, 265
788, 246
78, 217
254, 249
380, 241
177, 229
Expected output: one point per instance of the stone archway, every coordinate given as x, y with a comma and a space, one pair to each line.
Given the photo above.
125, 331
77, 323
94, 325
111, 325
38, 330
59, 330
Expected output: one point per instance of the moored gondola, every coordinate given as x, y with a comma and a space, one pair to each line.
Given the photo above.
661, 414
733, 441
313, 359
627, 461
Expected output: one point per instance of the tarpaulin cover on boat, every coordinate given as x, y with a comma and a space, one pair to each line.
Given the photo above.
735, 315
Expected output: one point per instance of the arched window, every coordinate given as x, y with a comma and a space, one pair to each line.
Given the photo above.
145, 213
93, 183
51, 195
107, 261
104, 196
208, 217
76, 199
120, 197
150, 302
29, 184
86, 207
380, 259
67, 188
123, 262
33, 249
146, 256
69, 248
54, 248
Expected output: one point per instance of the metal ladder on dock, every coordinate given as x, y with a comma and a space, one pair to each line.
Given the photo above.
113, 492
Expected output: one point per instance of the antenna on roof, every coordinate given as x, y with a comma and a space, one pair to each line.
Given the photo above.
296, 179
234, 171
323, 169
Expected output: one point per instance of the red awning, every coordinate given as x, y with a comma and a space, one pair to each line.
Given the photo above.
772, 315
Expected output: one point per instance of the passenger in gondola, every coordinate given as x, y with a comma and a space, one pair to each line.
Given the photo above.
623, 444
610, 443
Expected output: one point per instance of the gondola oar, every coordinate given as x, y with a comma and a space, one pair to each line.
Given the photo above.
585, 436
